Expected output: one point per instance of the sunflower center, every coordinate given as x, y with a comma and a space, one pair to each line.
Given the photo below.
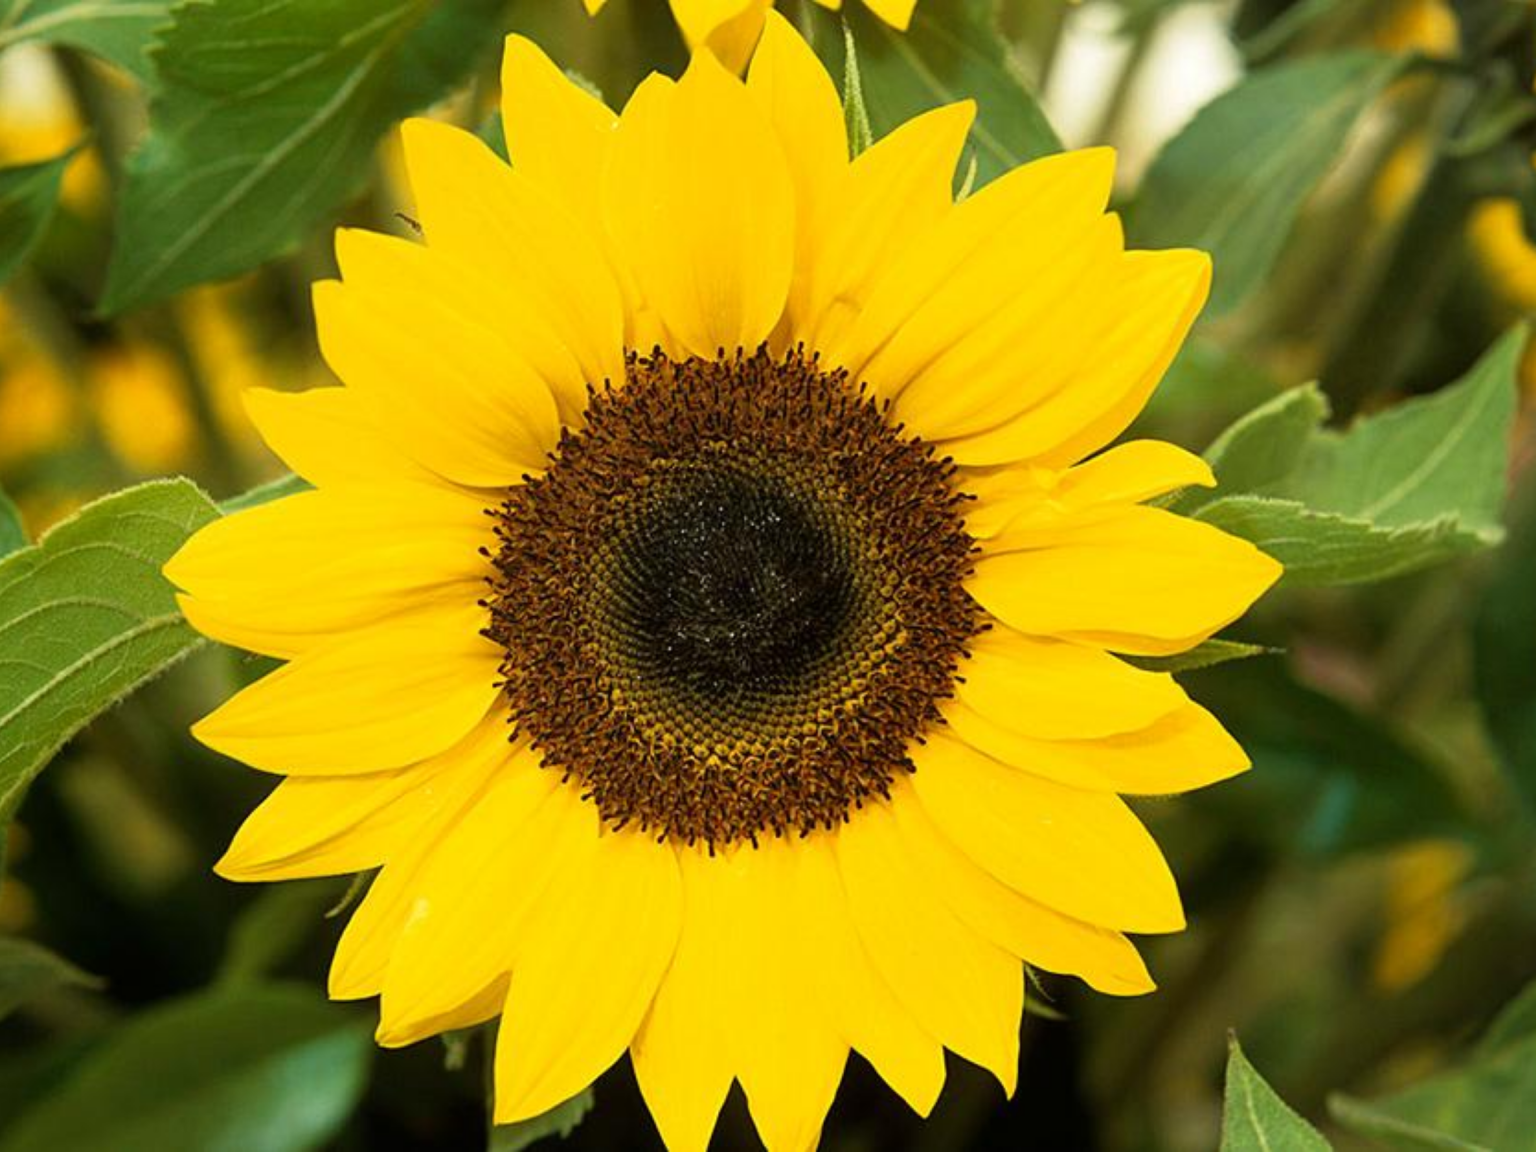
733, 599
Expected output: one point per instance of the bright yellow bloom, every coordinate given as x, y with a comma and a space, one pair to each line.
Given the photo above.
705, 614
730, 28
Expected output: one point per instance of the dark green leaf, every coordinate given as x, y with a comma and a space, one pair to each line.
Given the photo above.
1487, 1105
561, 1120
85, 617
1504, 650
276, 924
266, 1069
116, 30
1234, 179
1205, 655
27, 969
13, 533
1417, 484
953, 51
1327, 780
1255, 1119
28, 194
265, 119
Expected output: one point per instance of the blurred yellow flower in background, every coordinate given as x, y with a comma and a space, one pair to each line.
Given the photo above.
730, 28
1423, 914
140, 401
38, 120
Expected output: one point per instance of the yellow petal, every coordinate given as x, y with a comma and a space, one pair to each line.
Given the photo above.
962, 989
1056, 691
850, 991
281, 577
367, 946
997, 261
602, 936
790, 1056
328, 436
474, 899
683, 1052
375, 699
333, 825
896, 13
1132, 472
1151, 304
541, 271
700, 204
1184, 750
557, 133
1082, 853
895, 191
432, 400
1133, 579
801, 103
1036, 934
728, 28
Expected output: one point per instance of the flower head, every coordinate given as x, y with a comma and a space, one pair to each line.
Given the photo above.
706, 614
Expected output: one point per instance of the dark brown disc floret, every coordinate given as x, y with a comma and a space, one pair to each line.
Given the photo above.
734, 598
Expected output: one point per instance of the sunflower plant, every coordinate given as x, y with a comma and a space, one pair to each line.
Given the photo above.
783, 586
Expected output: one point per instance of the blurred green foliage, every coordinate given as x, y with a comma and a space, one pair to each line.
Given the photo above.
1362, 902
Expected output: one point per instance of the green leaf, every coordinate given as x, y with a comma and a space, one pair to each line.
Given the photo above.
86, 617
1327, 780
855, 111
275, 925
1504, 649
1486, 1105
1233, 180
265, 119
288, 485
1261, 448
1204, 655
28, 194
953, 51
265, 1069
1417, 484
1255, 1119
13, 533
116, 30
561, 1120
27, 969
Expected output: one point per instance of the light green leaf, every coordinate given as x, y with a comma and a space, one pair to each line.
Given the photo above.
1260, 449
86, 617
1486, 1105
275, 925
1323, 548
265, 119
1233, 181
27, 969
1255, 1119
268, 1069
13, 534
28, 194
116, 30
561, 1120
1418, 484
855, 111
953, 51
288, 485
1205, 655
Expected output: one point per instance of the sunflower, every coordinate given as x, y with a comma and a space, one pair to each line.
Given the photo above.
704, 614
730, 28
